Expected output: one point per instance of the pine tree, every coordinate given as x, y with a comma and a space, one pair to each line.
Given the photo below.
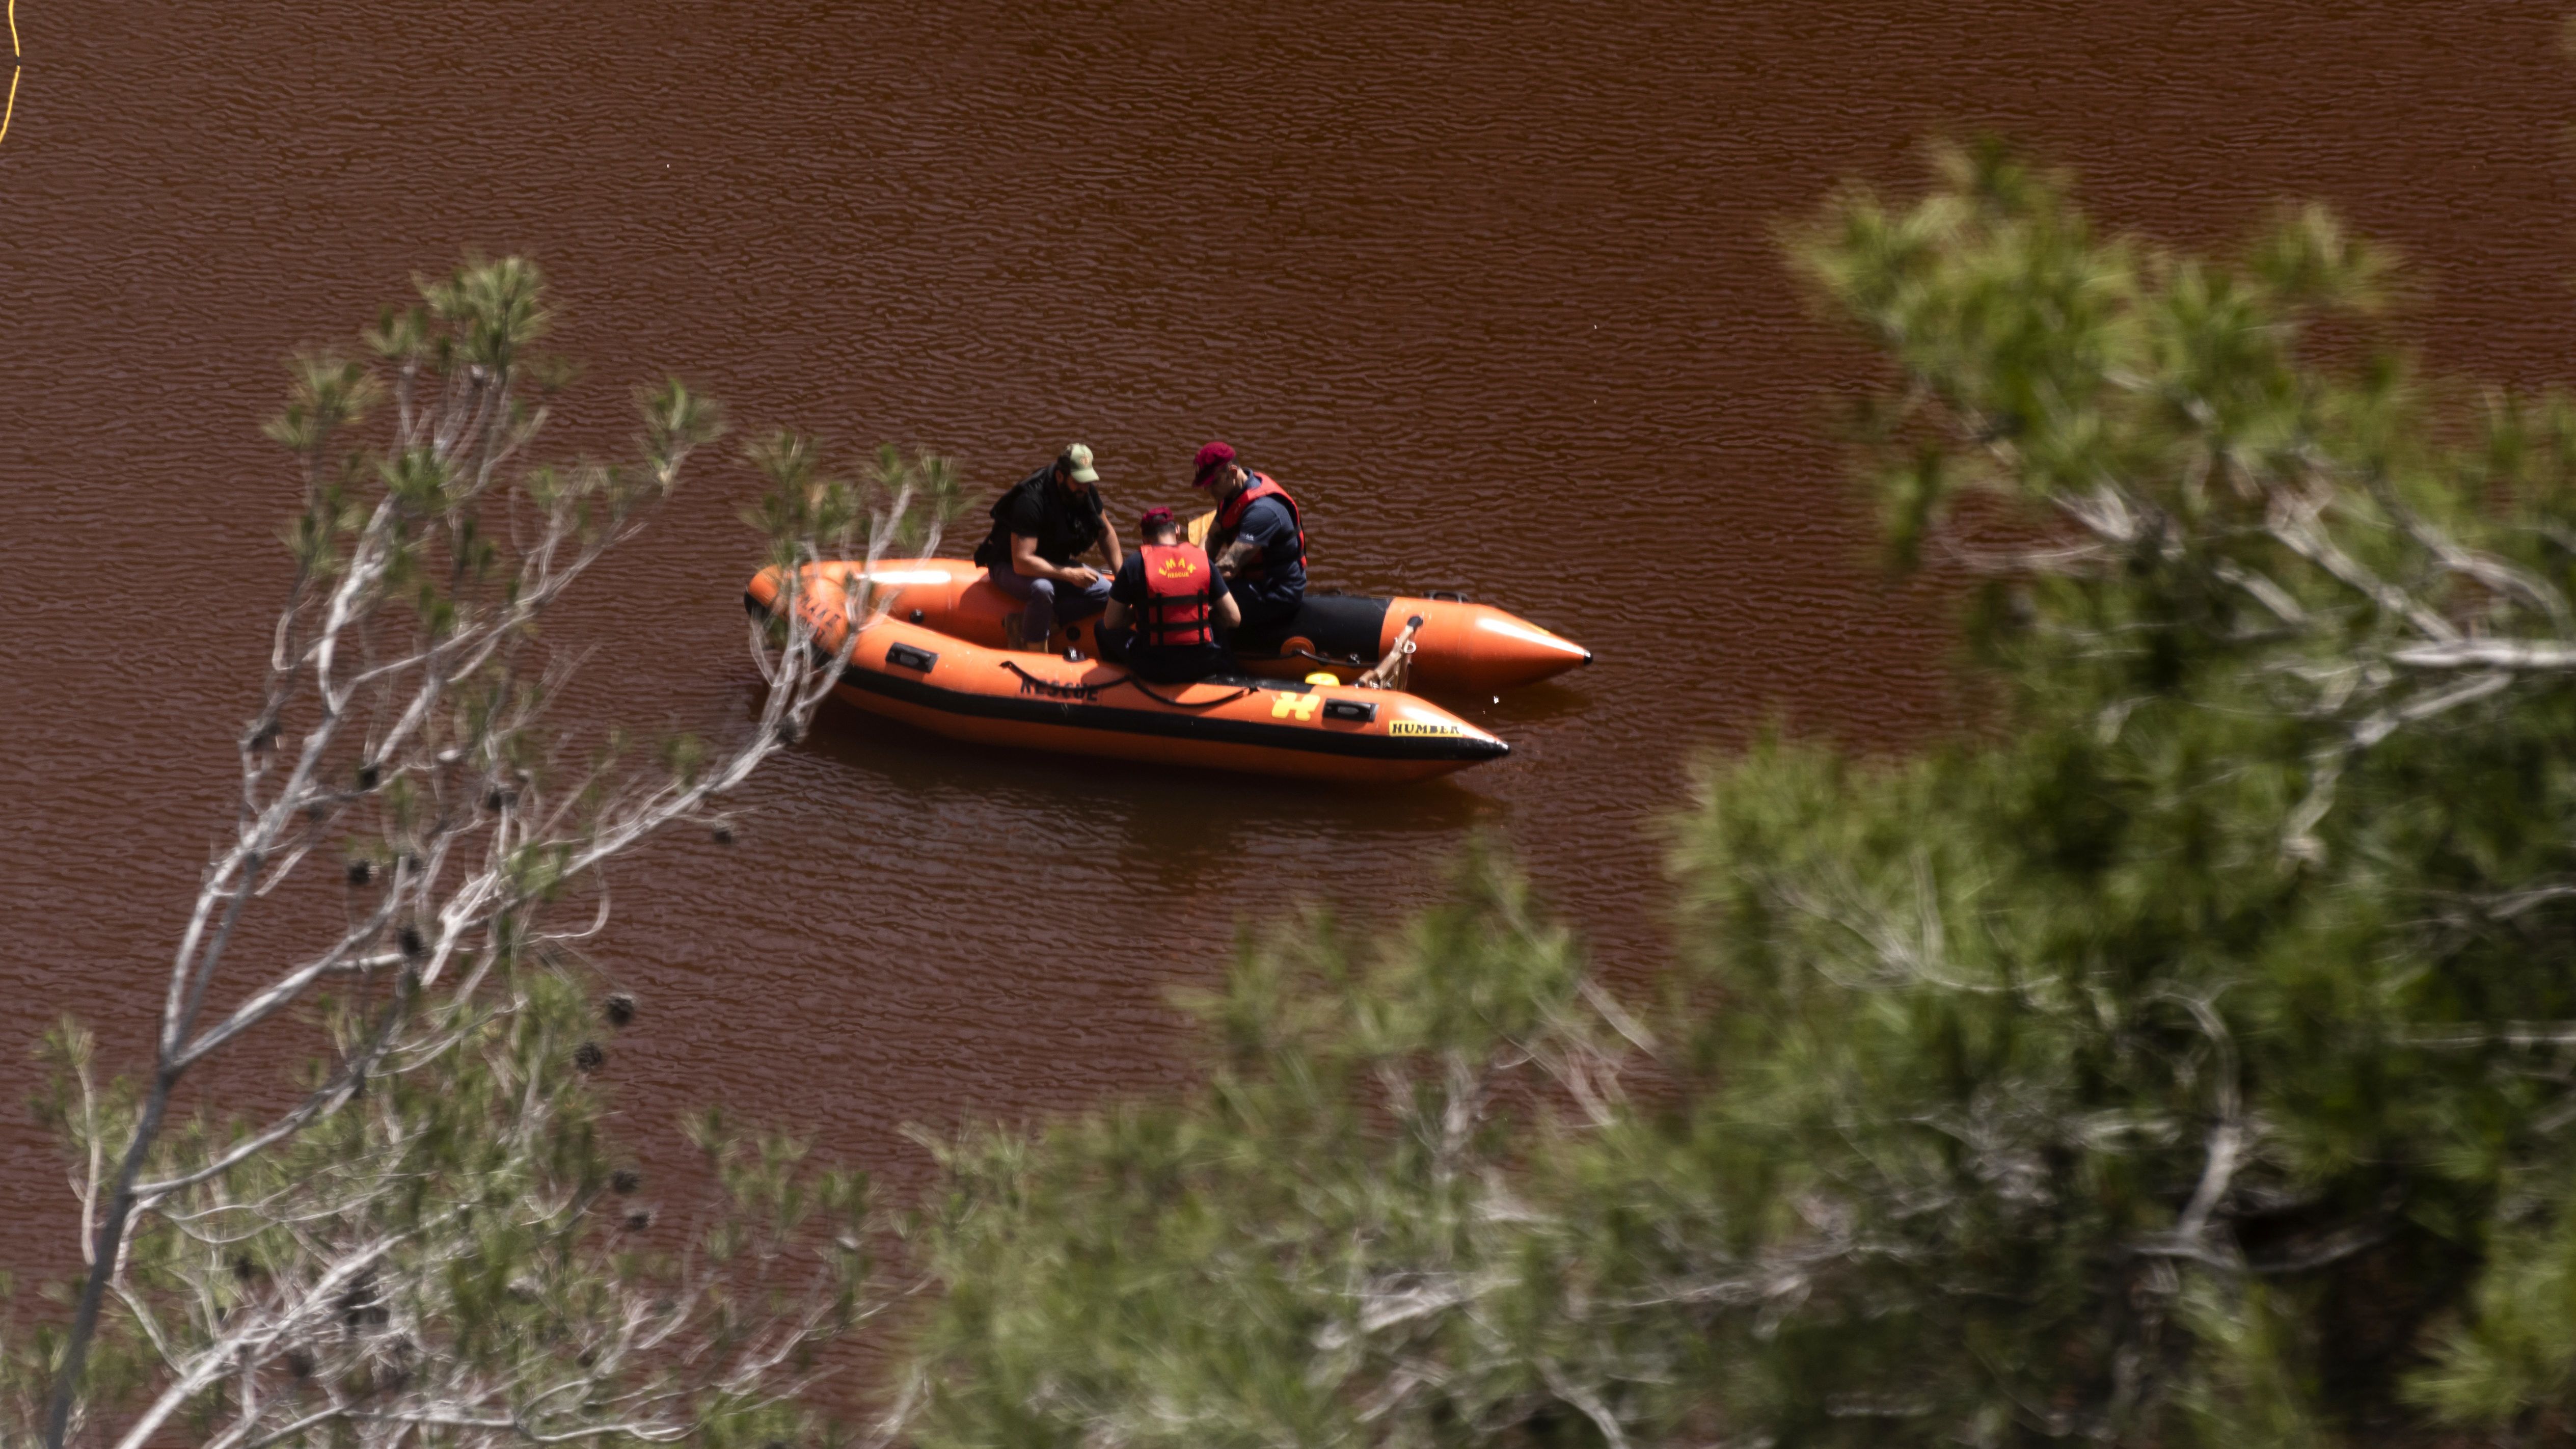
404, 742
2180, 1053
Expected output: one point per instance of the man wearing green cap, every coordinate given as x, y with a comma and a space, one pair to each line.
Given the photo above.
1047, 521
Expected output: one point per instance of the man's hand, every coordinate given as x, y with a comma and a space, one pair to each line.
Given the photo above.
1231, 562
1026, 563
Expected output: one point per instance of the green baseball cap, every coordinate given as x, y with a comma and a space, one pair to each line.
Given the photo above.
1076, 461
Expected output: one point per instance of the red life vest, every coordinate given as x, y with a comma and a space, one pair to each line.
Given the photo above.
1230, 518
1178, 586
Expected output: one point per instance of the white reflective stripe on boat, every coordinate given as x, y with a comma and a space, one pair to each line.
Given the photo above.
1529, 636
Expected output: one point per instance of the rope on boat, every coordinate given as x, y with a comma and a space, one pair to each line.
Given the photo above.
1395, 671
1140, 688
1090, 693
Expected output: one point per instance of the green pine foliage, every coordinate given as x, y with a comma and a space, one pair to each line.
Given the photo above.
2181, 1053
1318, 1246
437, 1243
468, 1255
2184, 1053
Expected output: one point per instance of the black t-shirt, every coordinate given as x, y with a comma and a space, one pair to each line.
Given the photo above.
1127, 585
1065, 525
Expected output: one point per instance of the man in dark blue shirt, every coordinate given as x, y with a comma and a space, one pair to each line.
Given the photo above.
1167, 609
1258, 543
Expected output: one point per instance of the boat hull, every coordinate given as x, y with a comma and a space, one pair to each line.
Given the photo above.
1024, 700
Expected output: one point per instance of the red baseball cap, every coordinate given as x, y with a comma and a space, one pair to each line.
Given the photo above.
1154, 518
1211, 458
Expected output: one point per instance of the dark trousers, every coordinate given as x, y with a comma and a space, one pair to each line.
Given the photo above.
1049, 602
1164, 663
1259, 611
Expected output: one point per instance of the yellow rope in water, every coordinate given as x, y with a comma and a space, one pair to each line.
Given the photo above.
14, 53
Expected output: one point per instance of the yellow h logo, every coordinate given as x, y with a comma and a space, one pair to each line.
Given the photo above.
1300, 705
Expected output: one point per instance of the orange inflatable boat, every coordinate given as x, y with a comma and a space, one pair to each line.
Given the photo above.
956, 687
1459, 645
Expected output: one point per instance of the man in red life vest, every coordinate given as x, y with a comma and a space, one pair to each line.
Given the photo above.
1175, 604
1258, 543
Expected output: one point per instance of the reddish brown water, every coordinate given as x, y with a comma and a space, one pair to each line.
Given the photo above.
1492, 288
